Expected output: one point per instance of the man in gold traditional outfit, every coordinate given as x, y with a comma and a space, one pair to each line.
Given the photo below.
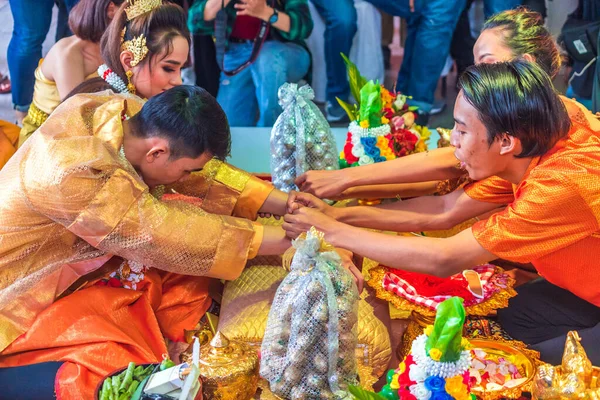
109, 196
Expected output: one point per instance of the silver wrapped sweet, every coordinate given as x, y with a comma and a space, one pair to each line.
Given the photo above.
301, 139
308, 347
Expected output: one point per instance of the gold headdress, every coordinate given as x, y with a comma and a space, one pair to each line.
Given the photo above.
139, 7
137, 45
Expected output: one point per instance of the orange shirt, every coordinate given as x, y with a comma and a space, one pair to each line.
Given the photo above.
553, 216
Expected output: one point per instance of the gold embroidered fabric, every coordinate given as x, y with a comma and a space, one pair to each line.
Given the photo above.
70, 202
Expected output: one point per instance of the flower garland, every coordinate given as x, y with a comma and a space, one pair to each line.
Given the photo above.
128, 276
112, 79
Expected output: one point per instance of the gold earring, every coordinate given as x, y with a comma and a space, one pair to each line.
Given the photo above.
130, 86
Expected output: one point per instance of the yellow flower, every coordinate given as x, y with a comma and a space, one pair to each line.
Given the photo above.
364, 124
456, 388
401, 368
465, 343
384, 120
435, 354
342, 155
420, 146
394, 383
428, 330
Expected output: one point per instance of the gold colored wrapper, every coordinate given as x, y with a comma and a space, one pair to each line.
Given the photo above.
575, 378
229, 370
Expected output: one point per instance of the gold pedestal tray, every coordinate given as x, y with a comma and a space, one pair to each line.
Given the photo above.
525, 364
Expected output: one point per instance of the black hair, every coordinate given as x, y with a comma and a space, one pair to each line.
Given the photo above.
517, 98
189, 118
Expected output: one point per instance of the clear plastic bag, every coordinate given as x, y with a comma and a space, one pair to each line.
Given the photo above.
301, 139
310, 339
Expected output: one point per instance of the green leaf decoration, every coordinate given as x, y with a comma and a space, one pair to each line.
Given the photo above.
447, 329
350, 109
413, 108
370, 108
356, 80
362, 394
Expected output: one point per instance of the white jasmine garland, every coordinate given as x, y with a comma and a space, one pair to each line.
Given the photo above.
436, 368
112, 79
358, 132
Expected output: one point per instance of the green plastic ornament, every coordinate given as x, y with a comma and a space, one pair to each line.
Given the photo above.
389, 393
446, 335
390, 375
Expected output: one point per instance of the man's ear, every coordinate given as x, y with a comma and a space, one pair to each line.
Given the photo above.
159, 148
509, 144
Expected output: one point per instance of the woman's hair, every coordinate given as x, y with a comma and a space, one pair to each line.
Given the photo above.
517, 98
189, 118
524, 33
88, 19
93, 85
160, 27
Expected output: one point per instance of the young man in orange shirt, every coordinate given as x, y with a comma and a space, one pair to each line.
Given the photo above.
510, 123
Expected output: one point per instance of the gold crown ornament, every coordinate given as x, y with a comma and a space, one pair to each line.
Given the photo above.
137, 46
139, 7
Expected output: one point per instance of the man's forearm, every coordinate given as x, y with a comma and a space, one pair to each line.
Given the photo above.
274, 241
438, 164
275, 203
390, 191
424, 255
423, 213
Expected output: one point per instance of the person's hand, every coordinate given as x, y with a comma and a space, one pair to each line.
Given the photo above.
297, 200
253, 8
348, 263
323, 184
269, 215
304, 218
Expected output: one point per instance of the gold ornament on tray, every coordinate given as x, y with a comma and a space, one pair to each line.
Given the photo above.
228, 369
139, 7
575, 378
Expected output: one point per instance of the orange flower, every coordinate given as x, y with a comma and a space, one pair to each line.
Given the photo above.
456, 388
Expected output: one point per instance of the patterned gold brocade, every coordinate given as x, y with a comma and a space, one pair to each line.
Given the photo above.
70, 202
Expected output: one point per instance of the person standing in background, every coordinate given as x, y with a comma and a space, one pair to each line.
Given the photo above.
31, 24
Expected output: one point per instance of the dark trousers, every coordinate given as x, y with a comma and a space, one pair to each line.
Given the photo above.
542, 314
30, 382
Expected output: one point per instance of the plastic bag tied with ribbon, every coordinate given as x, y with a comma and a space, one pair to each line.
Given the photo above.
308, 351
301, 139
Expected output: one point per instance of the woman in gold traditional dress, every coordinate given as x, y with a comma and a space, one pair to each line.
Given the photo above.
70, 61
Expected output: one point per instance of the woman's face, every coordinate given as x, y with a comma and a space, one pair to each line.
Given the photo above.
490, 47
162, 72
